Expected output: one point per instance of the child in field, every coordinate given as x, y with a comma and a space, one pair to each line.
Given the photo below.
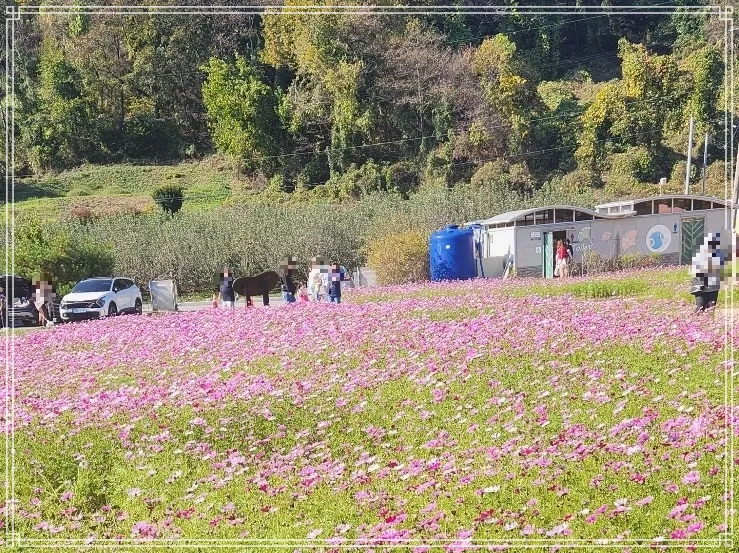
303, 294
215, 301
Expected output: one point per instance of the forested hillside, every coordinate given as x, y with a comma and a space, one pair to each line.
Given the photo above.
340, 134
347, 105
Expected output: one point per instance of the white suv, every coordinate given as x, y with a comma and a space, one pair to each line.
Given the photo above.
95, 298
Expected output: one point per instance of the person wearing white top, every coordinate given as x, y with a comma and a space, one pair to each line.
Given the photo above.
315, 283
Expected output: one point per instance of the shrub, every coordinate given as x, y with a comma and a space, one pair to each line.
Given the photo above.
676, 184
402, 177
606, 289
438, 170
258, 230
594, 263
357, 182
579, 181
400, 258
635, 165
83, 214
56, 253
503, 176
169, 197
147, 137
278, 183
490, 174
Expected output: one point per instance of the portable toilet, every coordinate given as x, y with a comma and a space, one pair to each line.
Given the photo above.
452, 254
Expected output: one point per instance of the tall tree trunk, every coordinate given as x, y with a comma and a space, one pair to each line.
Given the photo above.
121, 109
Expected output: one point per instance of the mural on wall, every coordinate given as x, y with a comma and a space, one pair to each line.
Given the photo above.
658, 239
629, 241
609, 237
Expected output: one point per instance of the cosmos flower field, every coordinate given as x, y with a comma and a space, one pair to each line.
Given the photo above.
446, 413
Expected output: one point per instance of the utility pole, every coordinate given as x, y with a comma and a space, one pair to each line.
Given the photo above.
705, 163
690, 153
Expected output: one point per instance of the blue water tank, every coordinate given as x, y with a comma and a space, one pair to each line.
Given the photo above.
452, 254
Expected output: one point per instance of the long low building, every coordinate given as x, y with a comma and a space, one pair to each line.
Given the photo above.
669, 227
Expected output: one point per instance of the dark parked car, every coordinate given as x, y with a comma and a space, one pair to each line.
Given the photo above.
20, 309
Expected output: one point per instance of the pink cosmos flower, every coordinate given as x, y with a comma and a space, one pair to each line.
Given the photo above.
692, 477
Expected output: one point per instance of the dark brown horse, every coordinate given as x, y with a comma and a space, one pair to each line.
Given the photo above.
260, 285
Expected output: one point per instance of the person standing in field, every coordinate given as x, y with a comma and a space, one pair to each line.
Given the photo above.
315, 285
41, 301
316, 276
227, 296
333, 289
561, 256
286, 281
706, 270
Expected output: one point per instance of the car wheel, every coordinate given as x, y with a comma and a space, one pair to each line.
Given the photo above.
138, 308
112, 310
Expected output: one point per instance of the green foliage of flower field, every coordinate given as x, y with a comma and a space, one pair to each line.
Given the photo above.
442, 413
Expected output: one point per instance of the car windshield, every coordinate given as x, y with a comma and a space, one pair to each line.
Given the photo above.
102, 285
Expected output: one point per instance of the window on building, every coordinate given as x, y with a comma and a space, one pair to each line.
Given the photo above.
526, 221
681, 204
544, 217
662, 206
643, 208
563, 215
699, 205
582, 216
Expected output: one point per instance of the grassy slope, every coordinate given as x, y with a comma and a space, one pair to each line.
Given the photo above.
115, 187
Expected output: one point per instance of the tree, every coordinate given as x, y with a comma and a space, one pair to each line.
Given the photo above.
506, 90
51, 251
707, 70
59, 130
242, 112
633, 111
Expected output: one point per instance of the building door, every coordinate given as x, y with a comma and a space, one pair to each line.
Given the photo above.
547, 254
691, 238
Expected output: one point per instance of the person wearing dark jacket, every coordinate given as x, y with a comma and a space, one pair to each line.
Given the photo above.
707, 265
286, 281
334, 284
227, 294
